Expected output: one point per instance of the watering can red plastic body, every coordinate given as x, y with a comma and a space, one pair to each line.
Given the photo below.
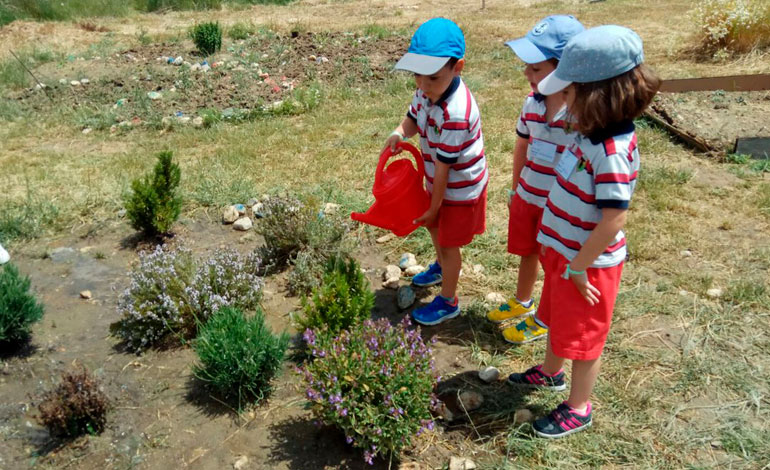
399, 193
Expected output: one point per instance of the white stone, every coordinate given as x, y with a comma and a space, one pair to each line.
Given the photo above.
331, 208
243, 224
84, 81
407, 260
478, 268
178, 61
75, 83
183, 119
471, 400
322, 60
714, 293
522, 416
495, 298
154, 95
86, 294
414, 270
685, 253
391, 283
240, 464
197, 121
230, 215
461, 463
386, 238
684, 293
87, 130
63, 81
489, 374
405, 297
391, 271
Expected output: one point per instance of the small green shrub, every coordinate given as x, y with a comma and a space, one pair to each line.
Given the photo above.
375, 383
297, 231
238, 355
76, 406
154, 204
343, 299
207, 37
18, 308
157, 5
728, 26
241, 30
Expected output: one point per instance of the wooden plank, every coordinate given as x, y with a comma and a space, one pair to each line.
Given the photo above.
757, 147
758, 82
693, 141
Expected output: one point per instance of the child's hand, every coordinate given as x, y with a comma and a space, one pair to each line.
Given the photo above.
427, 219
586, 289
392, 142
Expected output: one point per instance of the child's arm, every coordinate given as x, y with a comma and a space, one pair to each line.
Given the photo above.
404, 131
440, 179
599, 239
519, 160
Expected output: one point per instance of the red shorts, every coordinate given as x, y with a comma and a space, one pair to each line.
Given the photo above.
523, 224
458, 224
576, 330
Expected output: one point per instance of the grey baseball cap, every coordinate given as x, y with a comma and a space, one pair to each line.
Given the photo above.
595, 54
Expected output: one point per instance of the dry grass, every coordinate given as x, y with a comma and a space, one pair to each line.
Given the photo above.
685, 380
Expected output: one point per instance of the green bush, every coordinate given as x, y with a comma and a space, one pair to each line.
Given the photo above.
241, 30
375, 383
238, 355
156, 5
154, 205
18, 308
344, 299
76, 406
207, 37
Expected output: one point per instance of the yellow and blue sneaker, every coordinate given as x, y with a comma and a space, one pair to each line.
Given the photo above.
512, 309
527, 330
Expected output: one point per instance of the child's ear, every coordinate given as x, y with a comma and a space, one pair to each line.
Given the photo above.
459, 66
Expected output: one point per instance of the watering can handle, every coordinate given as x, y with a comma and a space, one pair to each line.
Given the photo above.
387, 153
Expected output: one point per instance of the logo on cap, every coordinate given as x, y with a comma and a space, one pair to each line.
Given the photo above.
539, 29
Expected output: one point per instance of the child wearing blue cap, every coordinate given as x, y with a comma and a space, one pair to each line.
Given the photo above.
543, 131
606, 85
446, 117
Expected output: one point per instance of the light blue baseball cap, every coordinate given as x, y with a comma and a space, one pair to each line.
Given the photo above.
433, 44
595, 54
547, 39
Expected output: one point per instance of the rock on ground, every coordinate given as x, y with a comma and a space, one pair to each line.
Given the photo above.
495, 298
386, 238
471, 400
391, 271
407, 260
405, 297
489, 374
86, 294
414, 270
243, 224
714, 293
461, 463
230, 215
391, 283
522, 416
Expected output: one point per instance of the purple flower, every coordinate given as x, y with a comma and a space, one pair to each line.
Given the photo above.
369, 457
349, 439
309, 337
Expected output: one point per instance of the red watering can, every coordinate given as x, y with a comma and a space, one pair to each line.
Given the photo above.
399, 194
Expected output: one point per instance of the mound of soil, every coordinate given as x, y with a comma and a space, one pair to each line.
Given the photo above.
716, 117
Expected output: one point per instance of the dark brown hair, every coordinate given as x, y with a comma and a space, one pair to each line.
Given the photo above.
601, 104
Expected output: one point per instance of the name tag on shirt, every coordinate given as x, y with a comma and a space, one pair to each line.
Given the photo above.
543, 150
566, 164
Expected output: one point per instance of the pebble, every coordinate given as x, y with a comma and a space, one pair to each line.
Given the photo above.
122, 213
471, 400
243, 224
63, 81
331, 208
178, 61
522, 416
405, 297
84, 81
461, 463
252, 202
684, 293
386, 238
258, 210
86, 294
197, 121
495, 298
685, 253
414, 270
322, 60
40, 86
195, 67
230, 215
391, 271
407, 260
240, 463
478, 268
240, 208
391, 283
489, 374
154, 95
87, 130
75, 83
714, 293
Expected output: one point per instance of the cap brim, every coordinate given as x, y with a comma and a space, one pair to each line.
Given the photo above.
421, 64
526, 50
552, 84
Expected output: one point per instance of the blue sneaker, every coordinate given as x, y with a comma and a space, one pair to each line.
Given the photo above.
429, 277
436, 312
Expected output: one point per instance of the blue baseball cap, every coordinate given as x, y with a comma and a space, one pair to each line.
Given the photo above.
547, 39
433, 44
594, 55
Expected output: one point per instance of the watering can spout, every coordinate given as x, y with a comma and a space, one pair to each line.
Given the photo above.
399, 194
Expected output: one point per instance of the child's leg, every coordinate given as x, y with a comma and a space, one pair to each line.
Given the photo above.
434, 236
527, 277
552, 363
584, 374
451, 261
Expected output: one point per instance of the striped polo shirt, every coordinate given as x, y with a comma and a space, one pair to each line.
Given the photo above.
594, 173
547, 140
450, 132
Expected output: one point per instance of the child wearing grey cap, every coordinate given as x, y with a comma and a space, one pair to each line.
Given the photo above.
605, 85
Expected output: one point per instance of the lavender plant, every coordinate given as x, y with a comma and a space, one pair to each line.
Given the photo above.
170, 293
374, 382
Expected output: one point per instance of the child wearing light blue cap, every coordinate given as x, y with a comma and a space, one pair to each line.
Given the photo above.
606, 86
543, 132
446, 117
